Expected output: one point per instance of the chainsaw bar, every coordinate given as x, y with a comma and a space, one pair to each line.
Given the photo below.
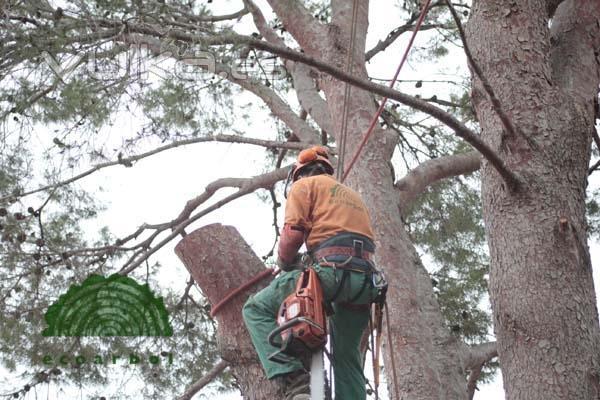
317, 376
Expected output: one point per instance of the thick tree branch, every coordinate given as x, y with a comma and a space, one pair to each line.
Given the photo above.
431, 171
298, 21
479, 354
205, 380
304, 84
221, 261
575, 39
472, 381
261, 24
128, 161
551, 6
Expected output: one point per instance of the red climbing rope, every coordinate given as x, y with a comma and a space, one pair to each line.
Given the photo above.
380, 110
214, 310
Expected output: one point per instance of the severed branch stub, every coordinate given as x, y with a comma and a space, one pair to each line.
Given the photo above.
220, 260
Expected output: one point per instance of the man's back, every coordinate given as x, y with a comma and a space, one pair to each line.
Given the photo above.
324, 207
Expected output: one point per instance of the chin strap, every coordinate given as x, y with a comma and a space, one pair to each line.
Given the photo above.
287, 182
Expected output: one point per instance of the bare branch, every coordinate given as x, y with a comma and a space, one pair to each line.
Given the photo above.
511, 130
204, 18
396, 33
431, 171
594, 167
596, 138
446, 103
264, 181
128, 161
186, 292
209, 191
276, 205
205, 380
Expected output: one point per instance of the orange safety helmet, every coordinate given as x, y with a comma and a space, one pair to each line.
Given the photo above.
310, 156
307, 157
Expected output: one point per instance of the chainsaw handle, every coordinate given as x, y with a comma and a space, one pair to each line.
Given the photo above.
287, 325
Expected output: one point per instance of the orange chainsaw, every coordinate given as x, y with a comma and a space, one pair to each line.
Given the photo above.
301, 319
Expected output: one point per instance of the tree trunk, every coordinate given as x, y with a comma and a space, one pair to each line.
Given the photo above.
220, 260
541, 288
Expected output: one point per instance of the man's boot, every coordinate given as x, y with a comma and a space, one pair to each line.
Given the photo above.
295, 385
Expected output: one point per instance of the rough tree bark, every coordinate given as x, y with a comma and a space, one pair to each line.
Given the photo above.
541, 287
220, 260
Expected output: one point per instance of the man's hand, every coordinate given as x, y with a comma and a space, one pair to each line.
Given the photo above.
296, 263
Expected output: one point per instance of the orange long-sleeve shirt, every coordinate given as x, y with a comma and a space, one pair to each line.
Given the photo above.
324, 207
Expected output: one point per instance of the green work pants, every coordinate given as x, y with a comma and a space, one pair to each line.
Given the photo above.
345, 326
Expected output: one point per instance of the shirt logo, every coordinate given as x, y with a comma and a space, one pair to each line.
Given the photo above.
341, 195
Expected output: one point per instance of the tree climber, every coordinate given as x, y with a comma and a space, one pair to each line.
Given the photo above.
333, 221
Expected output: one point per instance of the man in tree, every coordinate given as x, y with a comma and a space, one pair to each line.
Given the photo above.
334, 223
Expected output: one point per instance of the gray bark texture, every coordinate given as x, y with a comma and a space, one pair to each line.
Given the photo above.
541, 288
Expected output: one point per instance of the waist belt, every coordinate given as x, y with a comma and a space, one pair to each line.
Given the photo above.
342, 251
